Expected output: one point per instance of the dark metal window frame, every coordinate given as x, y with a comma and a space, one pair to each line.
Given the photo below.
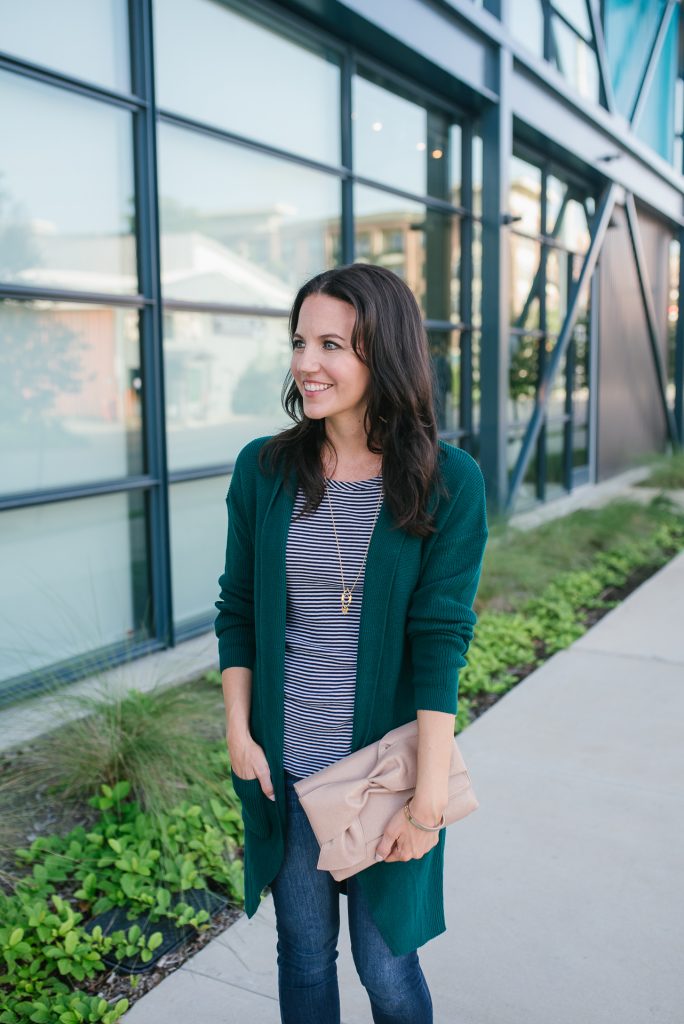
141, 103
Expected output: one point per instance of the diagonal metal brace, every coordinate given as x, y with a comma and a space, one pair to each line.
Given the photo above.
603, 213
647, 300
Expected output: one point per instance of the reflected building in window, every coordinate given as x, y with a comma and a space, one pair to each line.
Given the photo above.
178, 169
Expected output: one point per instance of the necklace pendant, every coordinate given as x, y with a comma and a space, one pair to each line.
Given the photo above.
346, 600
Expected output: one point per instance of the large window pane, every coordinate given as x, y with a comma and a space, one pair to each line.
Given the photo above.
420, 245
54, 33
445, 349
66, 190
526, 23
216, 65
197, 510
223, 381
80, 570
525, 195
239, 226
70, 389
525, 282
398, 142
523, 375
575, 59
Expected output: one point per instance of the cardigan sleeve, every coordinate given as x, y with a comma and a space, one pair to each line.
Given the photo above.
440, 621
234, 624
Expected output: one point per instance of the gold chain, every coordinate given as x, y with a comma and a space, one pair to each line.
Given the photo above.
346, 596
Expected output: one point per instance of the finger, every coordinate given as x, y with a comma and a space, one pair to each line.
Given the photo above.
266, 784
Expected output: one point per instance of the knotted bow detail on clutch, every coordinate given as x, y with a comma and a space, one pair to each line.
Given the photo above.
350, 802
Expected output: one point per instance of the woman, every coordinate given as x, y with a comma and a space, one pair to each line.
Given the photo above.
355, 545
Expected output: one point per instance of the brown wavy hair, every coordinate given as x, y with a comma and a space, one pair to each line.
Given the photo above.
400, 422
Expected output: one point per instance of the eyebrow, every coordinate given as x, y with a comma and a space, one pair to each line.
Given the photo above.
327, 334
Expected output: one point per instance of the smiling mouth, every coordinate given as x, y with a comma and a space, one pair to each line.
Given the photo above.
311, 388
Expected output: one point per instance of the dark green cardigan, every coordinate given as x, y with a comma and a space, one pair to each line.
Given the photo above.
415, 628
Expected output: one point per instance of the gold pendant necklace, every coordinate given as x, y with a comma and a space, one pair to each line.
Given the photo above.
346, 596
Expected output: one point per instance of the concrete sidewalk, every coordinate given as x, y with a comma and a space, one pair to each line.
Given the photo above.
565, 890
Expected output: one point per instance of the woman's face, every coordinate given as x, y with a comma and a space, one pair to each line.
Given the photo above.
322, 354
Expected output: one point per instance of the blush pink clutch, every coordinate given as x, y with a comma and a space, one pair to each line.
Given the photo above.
350, 802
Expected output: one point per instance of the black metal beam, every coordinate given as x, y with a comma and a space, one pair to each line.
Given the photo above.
605, 208
647, 300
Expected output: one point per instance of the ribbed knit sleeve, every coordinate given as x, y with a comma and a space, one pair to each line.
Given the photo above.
234, 624
440, 620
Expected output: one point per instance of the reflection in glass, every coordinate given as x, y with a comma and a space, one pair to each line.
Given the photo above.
477, 175
239, 226
526, 497
53, 34
573, 230
526, 23
555, 407
445, 350
555, 448
576, 13
390, 137
421, 245
575, 59
523, 374
56, 229
455, 165
556, 191
580, 446
476, 284
556, 289
197, 508
672, 317
80, 569
525, 281
70, 395
525, 195
216, 65
223, 378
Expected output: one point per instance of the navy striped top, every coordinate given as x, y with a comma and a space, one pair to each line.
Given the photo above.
320, 641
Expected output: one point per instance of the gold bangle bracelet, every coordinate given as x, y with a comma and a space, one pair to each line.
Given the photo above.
419, 824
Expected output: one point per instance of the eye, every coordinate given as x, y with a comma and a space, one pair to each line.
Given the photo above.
295, 342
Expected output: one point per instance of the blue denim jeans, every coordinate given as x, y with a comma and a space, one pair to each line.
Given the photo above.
307, 909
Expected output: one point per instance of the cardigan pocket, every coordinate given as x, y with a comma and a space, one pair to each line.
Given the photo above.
254, 811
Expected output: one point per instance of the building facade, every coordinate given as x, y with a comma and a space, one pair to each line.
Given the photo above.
175, 169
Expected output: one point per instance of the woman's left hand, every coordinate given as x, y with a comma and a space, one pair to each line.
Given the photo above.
404, 841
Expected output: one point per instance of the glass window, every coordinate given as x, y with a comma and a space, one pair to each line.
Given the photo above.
525, 281
197, 508
445, 349
555, 465
556, 289
70, 395
526, 23
219, 66
556, 191
223, 379
455, 165
396, 141
573, 230
422, 246
77, 37
79, 568
575, 59
672, 316
523, 375
239, 226
477, 174
56, 228
576, 13
525, 195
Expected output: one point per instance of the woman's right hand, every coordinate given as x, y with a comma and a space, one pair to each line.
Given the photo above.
248, 761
